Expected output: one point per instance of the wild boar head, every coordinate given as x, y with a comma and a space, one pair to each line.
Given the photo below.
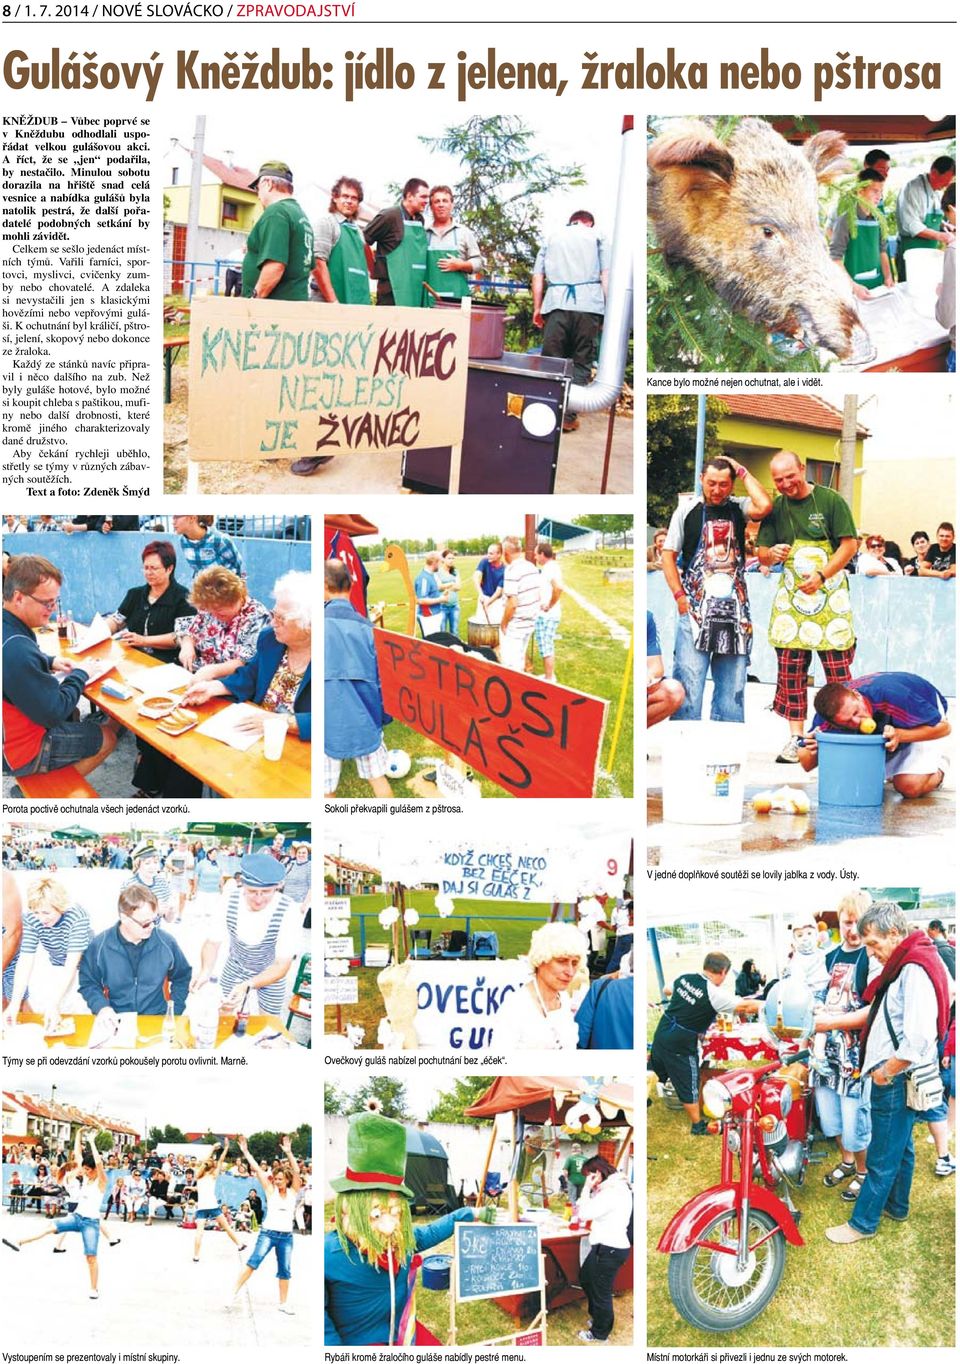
744, 213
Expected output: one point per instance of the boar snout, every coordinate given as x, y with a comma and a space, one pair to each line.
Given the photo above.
838, 328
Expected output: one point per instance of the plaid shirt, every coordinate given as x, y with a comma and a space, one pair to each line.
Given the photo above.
214, 548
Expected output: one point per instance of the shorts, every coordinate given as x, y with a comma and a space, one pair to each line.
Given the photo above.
545, 632
208, 1214
281, 1242
948, 1074
678, 1065
513, 646
88, 1227
843, 1116
368, 765
65, 744
917, 759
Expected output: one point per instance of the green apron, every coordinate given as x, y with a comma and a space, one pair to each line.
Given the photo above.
449, 284
933, 220
821, 621
861, 260
348, 266
407, 267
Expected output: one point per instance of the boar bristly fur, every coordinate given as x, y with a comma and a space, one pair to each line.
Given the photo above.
744, 213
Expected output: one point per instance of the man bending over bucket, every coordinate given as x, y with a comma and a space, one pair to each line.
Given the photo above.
907, 710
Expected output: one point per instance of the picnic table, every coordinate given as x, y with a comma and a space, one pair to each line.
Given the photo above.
226, 770
149, 1028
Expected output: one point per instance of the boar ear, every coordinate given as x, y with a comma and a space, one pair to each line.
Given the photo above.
826, 152
691, 146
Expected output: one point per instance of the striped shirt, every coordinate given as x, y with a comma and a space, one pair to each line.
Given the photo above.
522, 581
160, 887
71, 933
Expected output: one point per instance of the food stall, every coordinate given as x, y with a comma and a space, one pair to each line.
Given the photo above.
541, 1106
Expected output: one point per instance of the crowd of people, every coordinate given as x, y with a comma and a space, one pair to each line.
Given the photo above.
413, 263
808, 535
235, 647
247, 912
76, 1191
518, 611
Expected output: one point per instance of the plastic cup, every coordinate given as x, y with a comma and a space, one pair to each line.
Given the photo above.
274, 733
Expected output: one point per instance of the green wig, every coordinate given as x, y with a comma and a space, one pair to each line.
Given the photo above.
363, 1234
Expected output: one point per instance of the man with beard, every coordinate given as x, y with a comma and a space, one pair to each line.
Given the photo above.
344, 260
703, 563
370, 1261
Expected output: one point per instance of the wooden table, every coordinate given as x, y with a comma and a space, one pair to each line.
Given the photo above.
225, 769
561, 1251
149, 1028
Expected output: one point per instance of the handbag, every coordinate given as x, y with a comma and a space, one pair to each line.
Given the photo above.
924, 1083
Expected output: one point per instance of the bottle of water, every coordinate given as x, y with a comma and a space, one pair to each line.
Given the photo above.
169, 1030
205, 1015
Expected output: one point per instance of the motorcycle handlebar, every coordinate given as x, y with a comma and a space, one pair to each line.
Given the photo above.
771, 1066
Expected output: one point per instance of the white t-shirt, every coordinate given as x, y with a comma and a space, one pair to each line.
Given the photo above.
207, 1192
89, 1198
549, 575
252, 927
279, 1214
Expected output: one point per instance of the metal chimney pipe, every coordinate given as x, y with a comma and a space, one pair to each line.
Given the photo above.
618, 318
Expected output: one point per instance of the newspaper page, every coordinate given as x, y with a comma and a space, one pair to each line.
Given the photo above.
432, 284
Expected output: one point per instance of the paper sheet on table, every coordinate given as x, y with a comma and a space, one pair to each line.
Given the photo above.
223, 726
157, 681
90, 635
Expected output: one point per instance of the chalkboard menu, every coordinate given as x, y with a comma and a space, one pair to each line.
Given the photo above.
495, 1260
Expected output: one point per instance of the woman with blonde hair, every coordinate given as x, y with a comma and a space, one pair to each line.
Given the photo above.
276, 1232
541, 1014
208, 1205
224, 633
62, 928
277, 678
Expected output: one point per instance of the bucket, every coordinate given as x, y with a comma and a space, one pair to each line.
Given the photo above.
924, 274
851, 768
703, 770
488, 324
481, 634
435, 1272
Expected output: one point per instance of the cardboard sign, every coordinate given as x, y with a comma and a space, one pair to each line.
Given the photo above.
494, 1260
458, 1001
533, 738
340, 990
285, 380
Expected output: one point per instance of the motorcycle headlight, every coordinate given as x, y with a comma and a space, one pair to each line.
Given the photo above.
716, 1099
776, 1099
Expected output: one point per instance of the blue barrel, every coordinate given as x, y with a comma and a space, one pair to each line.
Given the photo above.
851, 768
435, 1272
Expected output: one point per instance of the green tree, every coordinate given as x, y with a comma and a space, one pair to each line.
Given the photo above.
103, 1141
332, 1099
672, 448
450, 1106
391, 1095
606, 524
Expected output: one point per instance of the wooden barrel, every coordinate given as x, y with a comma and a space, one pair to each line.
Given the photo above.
481, 633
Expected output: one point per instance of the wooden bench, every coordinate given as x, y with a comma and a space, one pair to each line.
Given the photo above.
64, 783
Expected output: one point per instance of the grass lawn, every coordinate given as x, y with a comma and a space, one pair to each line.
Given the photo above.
514, 939
478, 1321
587, 659
896, 1290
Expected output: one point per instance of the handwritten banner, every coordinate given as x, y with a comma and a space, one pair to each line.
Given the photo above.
458, 1002
491, 867
533, 738
284, 380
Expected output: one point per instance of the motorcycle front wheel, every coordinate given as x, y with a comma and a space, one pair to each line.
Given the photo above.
707, 1288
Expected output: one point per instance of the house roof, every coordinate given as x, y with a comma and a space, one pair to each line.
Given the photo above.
237, 177
788, 409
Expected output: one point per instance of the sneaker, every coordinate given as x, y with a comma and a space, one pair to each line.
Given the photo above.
589, 1338
114, 1242
12, 1244
93, 1294
790, 753
59, 1250
946, 1165
698, 1129
287, 1310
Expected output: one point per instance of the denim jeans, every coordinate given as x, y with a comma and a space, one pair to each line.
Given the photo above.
690, 666
279, 1241
889, 1157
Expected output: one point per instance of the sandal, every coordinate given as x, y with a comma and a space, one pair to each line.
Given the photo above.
845, 1170
849, 1194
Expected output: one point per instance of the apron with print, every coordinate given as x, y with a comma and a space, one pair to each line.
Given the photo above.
717, 593
348, 266
407, 267
820, 621
861, 260
449, 284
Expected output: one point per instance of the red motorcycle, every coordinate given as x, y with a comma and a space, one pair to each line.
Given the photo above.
728, 1244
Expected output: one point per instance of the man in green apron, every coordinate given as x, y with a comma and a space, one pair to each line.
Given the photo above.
279, 255
569, 296
919, 215
864, 256
453, 252
400, 265
343, 258
812, 533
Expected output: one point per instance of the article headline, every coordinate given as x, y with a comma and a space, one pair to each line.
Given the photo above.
381, 70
